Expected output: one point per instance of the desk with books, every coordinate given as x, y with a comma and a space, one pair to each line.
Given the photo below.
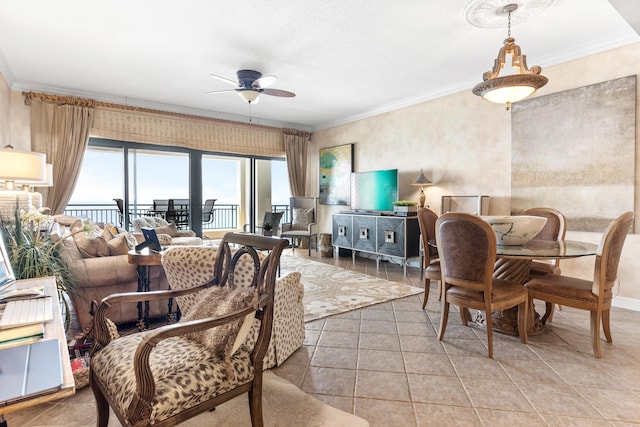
53, 330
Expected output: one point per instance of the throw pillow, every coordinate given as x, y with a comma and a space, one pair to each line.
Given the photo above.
118, 245
112, 229
169, 229
301, 218
215, 302
91, 247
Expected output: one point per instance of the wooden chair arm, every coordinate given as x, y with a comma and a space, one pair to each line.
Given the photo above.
101, 327
145, 383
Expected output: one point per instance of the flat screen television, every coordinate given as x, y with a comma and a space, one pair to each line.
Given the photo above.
374, 190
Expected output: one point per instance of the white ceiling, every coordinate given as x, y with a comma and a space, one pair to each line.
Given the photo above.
345, 59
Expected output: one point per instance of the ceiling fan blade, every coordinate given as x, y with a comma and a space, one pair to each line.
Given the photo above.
224, 79
220, 91
279, 92
265, 81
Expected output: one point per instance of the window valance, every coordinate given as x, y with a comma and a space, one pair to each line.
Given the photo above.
134, 124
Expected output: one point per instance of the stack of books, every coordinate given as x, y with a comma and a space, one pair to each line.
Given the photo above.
22, 321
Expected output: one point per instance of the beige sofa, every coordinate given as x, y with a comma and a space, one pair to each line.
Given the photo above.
100, 267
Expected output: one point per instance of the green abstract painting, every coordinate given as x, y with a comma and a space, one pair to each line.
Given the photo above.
336, 165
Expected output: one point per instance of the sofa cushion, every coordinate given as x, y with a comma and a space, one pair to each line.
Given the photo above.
119, 245
169, 229
302, 218
222, 340
91, 246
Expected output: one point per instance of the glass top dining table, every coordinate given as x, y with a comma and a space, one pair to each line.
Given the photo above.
548, 249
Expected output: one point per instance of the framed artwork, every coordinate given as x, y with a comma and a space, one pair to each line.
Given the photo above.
336, 165
6, 272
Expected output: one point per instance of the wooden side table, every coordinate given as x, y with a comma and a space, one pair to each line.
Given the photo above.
144, 260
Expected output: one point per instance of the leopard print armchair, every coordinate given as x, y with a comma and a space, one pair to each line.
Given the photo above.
165, 376
187, 266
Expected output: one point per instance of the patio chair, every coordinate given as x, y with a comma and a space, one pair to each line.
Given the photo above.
304, 221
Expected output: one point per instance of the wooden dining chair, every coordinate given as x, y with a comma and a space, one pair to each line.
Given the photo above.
592, 295
431, 264
554, 229
467, 250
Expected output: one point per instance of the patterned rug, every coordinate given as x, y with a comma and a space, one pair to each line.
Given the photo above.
329, 289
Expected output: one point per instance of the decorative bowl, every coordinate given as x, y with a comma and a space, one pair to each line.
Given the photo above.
515, 230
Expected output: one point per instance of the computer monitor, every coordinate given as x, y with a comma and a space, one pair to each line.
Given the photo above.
150, 240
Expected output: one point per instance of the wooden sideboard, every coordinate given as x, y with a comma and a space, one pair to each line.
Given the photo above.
380, 235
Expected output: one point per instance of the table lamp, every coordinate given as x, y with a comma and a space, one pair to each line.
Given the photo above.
421, 180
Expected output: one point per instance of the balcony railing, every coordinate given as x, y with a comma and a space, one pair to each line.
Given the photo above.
225, 217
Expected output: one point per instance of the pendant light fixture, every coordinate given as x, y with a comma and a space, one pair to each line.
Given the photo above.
511, 87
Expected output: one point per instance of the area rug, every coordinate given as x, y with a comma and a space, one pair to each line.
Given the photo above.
329, 289
283, 404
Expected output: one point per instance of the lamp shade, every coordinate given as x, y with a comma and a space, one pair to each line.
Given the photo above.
23, 166
47, 182
421, 180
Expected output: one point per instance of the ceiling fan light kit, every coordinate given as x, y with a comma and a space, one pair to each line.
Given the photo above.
524, 81
251, 84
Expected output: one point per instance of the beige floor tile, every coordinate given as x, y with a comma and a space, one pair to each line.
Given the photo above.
428, 364
535, 371
385, 413
382, 385
342, 325
495, 418
379, 327
420, 344
477, 367
437, 389
472, 347
338, 382
557, 399
495, 394
613, 404
334, 357
429, 415
416, 328
378, 315
339, 339
344, 403
380, 360
311, 336
379, 341
564, 421
412, 316
293, 373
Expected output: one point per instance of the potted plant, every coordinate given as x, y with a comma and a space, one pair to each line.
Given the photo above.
405, 207
33, 252
266, 229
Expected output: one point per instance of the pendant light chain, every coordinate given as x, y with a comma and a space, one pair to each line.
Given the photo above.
509, 25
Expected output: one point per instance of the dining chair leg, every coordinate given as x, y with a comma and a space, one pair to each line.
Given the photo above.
547, 313
606, 325
523, 321
595, 333
489, 329
444, 317
427, 285
465, 316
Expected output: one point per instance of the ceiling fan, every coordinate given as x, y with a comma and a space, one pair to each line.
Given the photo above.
251, 84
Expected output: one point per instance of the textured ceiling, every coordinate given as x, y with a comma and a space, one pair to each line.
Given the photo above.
345, 59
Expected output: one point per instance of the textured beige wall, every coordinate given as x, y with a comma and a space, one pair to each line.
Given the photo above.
5, 113
463, 144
